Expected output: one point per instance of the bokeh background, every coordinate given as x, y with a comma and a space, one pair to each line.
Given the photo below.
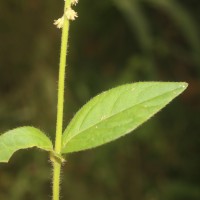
111, 43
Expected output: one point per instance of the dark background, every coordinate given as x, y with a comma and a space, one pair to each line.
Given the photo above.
111, 43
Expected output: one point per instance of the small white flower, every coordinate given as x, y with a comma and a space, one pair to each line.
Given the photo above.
71, 14
74, 2
59, 22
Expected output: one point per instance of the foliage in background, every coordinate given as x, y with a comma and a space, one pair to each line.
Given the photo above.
163, 164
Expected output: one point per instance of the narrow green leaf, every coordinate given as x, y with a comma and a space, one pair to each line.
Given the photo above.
117, 112
22, 138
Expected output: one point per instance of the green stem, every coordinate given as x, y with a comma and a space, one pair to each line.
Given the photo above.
60, 105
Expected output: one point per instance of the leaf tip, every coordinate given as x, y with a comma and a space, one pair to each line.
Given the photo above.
184, 85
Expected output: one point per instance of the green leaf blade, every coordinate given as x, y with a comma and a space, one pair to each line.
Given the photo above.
117, 112
22, 138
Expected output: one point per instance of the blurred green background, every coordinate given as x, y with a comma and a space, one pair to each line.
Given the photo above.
111, 43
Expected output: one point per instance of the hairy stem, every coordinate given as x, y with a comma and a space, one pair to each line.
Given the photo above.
60, 105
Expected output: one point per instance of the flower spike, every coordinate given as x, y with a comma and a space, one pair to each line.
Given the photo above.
74, 2
71, 14
59, 22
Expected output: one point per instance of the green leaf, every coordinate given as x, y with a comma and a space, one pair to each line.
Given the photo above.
117, 112
22, 138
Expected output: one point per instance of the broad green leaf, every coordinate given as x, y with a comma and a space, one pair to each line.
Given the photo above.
117, 112
22, 138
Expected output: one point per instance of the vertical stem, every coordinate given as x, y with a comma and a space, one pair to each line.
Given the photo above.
60, 105
61, 84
